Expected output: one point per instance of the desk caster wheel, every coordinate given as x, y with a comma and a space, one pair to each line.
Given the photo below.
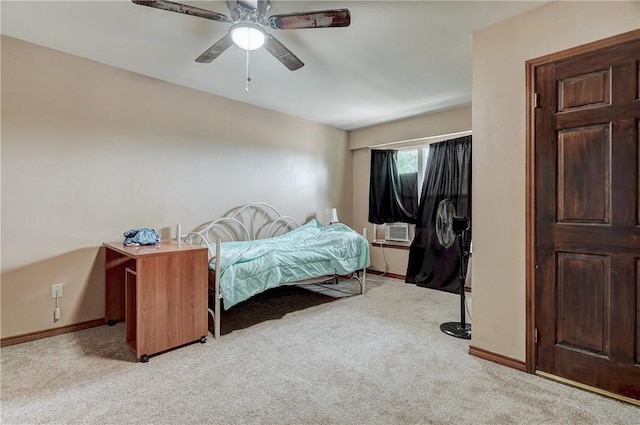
203, 339
111, 322
144, 358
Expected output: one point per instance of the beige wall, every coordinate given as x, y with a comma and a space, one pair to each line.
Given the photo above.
499, 122
90, 151
425, 126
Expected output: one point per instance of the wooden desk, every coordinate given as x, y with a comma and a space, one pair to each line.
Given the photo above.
160, 291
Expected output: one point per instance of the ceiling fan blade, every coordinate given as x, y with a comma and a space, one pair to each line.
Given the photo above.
283, 54
216, 50
183, 8
318, 19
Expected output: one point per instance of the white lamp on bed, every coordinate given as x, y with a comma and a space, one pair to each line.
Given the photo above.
332, 215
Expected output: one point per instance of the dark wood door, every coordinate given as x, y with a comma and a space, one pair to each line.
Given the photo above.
587, 218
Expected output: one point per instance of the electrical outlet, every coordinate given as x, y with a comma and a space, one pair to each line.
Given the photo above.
56, 290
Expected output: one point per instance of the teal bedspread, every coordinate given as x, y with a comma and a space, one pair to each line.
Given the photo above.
248, 268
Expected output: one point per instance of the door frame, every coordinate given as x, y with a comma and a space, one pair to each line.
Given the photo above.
530, 204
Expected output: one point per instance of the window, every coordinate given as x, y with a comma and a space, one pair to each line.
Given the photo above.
408, 161
414, 160
412, 163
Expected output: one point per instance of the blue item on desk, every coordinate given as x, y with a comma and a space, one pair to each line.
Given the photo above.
144, 236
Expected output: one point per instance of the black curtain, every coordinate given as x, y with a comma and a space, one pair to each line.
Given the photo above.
448, 176
393, 197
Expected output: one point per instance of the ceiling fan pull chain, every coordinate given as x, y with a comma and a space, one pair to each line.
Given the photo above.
246, 84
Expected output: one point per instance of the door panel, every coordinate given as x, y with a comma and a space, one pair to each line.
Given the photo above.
587, 209
583, 292
584, 152
583, 91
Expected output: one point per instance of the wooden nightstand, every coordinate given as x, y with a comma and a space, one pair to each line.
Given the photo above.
160, 291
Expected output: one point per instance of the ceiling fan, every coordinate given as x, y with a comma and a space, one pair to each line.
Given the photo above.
248, 20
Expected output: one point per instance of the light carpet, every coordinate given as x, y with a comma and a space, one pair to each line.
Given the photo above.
292, 356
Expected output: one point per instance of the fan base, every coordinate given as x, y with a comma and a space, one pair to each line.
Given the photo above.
456, 329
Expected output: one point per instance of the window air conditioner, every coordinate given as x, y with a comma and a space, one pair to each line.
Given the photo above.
396, 232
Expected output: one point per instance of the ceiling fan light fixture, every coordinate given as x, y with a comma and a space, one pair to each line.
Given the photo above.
247, 36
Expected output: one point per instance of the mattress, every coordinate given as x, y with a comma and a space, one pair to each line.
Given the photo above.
248, 268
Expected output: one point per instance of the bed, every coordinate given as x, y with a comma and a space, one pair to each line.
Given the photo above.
255, 248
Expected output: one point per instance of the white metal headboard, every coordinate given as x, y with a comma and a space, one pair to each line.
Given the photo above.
253, 221
263, 220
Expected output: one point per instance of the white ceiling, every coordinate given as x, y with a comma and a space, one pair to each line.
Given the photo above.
396, 59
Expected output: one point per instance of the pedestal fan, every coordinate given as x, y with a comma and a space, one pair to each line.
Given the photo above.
450, 227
